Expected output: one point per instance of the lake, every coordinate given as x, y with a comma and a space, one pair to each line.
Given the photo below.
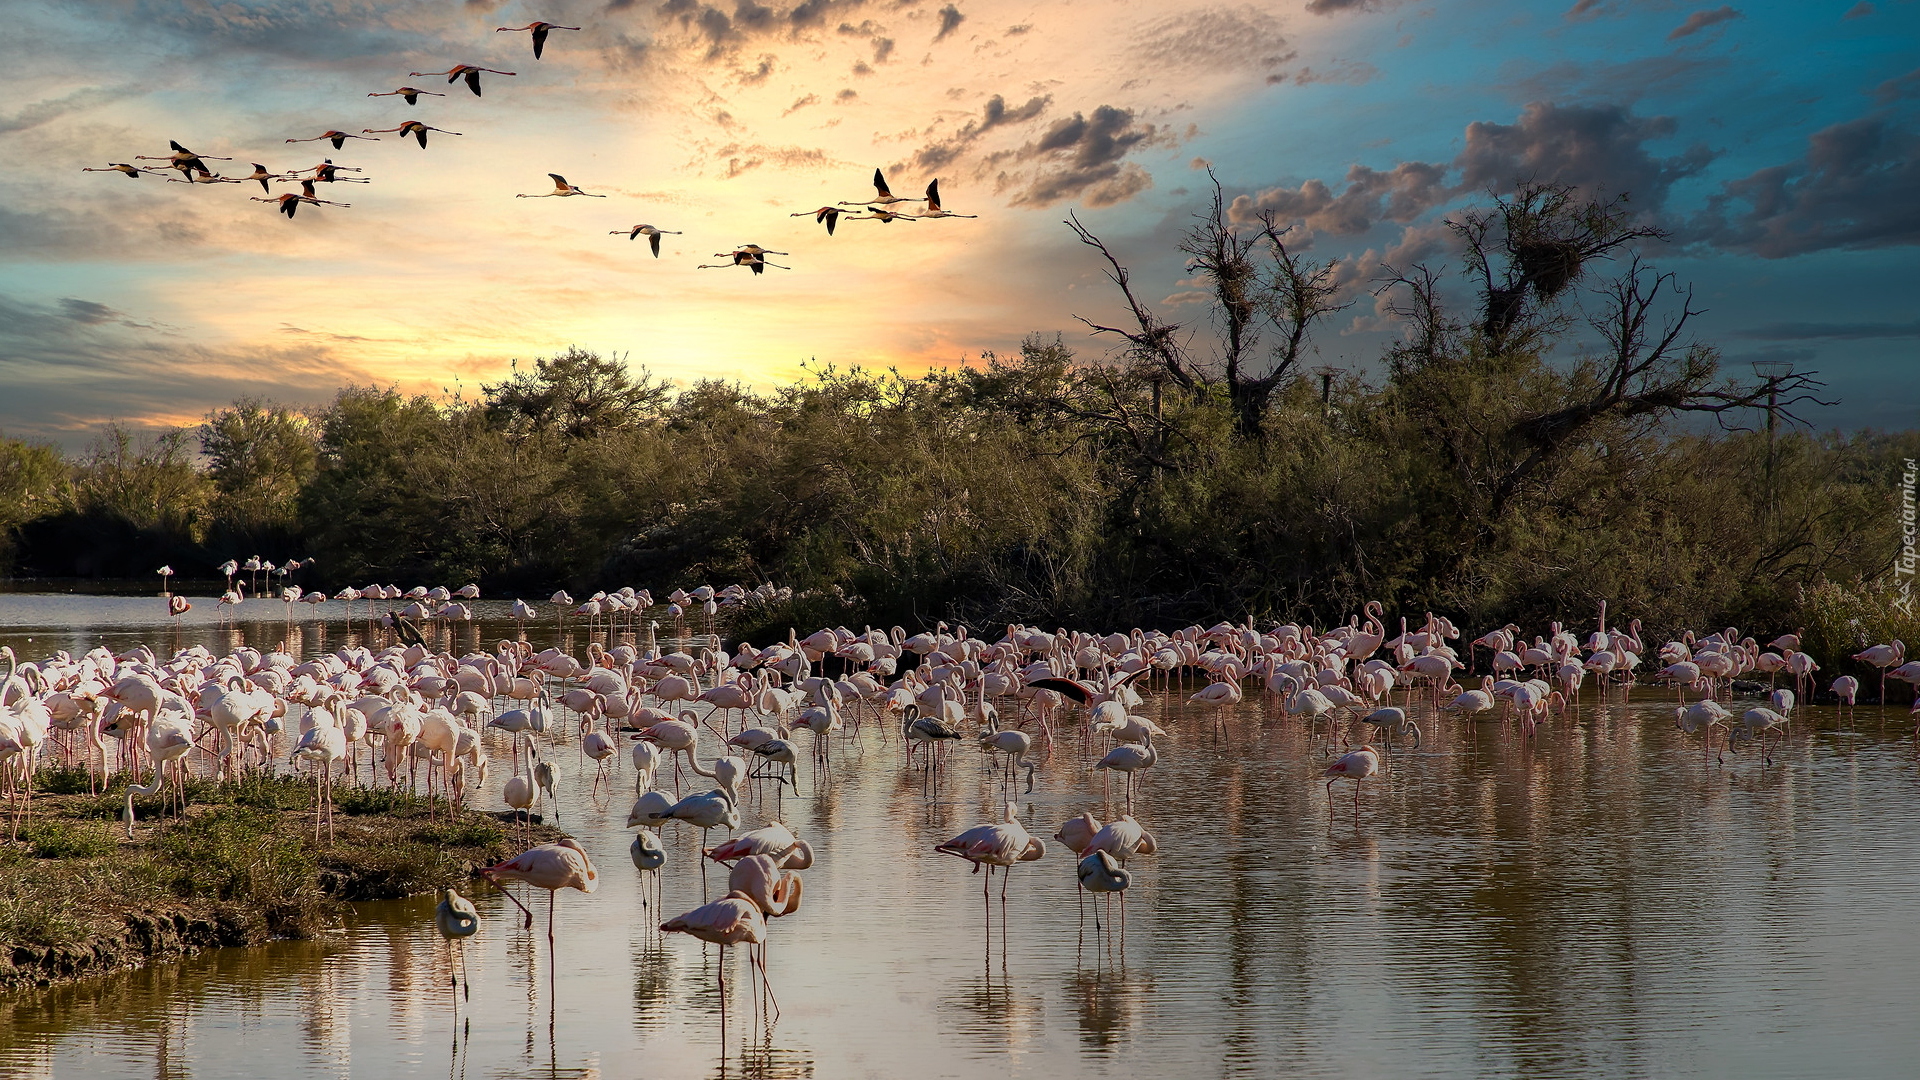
1601, 901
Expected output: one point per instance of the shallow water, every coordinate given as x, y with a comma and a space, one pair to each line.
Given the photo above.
1603, 901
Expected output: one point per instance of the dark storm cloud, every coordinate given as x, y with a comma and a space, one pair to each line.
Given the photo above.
1700, 20
1857, 186
1599, 149
950, 20
1082, 157
937, 155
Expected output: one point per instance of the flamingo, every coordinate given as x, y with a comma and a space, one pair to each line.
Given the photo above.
561, 189
540, 31
131, 172
734, 919
883, 216
934, 209
1392, 721
457, 919
882, 196
289, 203
1883, 657
411, 127
1130, 759
468, 72
1356, 765
407, 93
829, 215
998, 844
1846, 688
652, 234
337, 138
556, 866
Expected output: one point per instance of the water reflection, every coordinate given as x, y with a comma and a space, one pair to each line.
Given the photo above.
1602, 900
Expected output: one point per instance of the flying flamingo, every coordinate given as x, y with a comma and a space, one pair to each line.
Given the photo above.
414, 128
561, 189
464, 71
131, 172
882, 196
408, 94
290, 202
934, 209
742, 258
652, 234
830, 215
556, 866
183, 159
540, 31
884, 216
337, 138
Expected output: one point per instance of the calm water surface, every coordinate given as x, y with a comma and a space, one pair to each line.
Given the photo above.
1603, 902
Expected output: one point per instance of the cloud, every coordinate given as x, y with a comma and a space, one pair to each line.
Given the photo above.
1857, 186
1598, 148
801, 103
996, 114
1858, 11
760, 70
1016, 31
1809, 331
1700, 20
72, 365
1082, 157
882, 48
1586, 9
1212, 38
1904, 86
1400, 194
40, 112
950, 20
1329, 7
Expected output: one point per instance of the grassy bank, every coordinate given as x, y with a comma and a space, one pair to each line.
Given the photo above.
239, 867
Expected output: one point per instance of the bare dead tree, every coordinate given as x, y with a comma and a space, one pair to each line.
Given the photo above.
1528, 249
1651, 369
1266, 300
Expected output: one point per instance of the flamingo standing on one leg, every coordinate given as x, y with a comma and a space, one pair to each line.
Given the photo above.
556, 866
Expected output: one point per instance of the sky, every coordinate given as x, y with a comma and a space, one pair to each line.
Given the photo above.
1778, 144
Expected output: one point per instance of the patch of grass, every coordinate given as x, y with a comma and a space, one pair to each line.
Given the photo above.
56, 780
58, 839
465, 832
368, 800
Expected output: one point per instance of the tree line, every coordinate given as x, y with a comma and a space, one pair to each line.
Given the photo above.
1193, 471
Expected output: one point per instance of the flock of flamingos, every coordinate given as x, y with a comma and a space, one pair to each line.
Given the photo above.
420, 716
192, 168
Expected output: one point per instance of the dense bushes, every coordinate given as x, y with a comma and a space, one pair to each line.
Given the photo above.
1175, 480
